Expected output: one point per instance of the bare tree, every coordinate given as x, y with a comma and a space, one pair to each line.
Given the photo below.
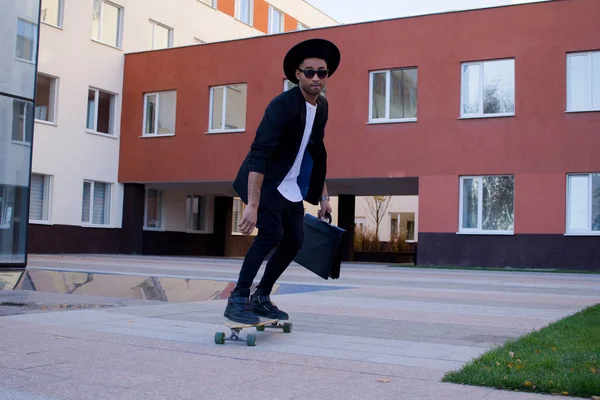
376, 207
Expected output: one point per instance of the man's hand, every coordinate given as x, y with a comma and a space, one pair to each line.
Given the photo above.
325, 209
248, 220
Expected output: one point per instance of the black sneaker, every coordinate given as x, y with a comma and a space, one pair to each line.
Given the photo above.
238, 310
262, 305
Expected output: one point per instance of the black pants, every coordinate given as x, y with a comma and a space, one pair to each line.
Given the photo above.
280, 226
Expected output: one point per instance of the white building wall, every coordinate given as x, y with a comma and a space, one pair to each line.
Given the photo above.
63, 149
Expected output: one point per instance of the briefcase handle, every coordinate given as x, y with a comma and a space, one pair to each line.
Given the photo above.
327, 218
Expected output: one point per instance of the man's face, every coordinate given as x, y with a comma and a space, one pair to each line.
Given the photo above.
313, 85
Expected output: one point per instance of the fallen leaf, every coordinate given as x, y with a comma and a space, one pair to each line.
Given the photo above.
520, 366
382, 380
527, 384
509, 365
565, 393
511, 354
130, 321
554, 349
498, 363
594, 370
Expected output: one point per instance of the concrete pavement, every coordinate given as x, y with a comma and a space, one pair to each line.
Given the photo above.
377, 332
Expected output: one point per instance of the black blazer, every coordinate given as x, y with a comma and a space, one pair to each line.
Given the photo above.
276, 145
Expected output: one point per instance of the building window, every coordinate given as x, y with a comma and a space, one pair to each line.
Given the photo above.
96, 203
228, 108
238, 212
488, 88
7, 205
22, 129
402, 224
45, 98
195, 207
160, 113
275, 21
243, 11
107, 23
161, 36
583, 204
301, 26
287, 85
39, 202
487, 204
154, 207
26, 40
212, 3
101, 112
52, 12
393, 95
583, 81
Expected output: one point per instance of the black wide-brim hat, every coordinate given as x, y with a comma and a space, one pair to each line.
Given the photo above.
312, 48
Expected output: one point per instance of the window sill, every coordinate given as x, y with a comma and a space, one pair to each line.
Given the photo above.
154, 229
225, 131
156, 136
392, 121
487, 116
106, 44
25, 61
583, 234
24, 144
52, 25
97, 226
486, 233
591, 110
196, 232
34, 222
106, 135
41, 121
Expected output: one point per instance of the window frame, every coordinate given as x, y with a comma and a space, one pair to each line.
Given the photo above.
301, 27
238, 10
213, 3
590, 80
160, 228
53, 100
463, 89
156, 114
119, 25
479, 230
46, 202
27, 126
202, 205
35, 41
388, 88
60, 13
107, 202
273, 10
171, 32
111, 125
580, 232
224, 110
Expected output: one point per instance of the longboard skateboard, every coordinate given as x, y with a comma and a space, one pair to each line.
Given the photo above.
236, 329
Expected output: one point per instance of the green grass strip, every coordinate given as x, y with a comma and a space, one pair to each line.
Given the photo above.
562, 358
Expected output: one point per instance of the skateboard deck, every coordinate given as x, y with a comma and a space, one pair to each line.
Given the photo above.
236, 329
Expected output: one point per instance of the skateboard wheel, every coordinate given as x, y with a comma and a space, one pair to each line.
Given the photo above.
260, 328
251, 340
287, 327
219, 338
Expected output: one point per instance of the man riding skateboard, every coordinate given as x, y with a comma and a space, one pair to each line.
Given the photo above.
286, 164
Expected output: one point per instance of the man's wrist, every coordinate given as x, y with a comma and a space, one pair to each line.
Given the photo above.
324, 198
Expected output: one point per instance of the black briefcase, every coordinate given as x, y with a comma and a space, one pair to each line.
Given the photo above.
321, 247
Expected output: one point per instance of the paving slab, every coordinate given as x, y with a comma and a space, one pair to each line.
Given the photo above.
377, 332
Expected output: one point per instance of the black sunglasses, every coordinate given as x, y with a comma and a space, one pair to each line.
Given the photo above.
310, 73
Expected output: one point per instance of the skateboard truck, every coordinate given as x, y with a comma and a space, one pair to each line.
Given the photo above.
236, 330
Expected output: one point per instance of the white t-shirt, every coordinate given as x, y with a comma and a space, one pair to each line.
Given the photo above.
289, 186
